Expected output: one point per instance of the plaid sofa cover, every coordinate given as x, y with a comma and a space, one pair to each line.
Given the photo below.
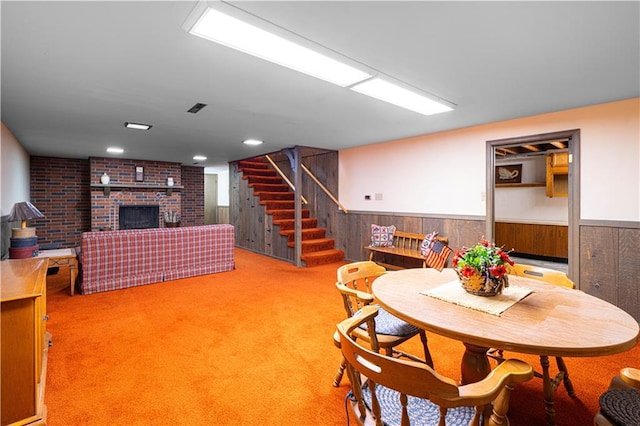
111, 260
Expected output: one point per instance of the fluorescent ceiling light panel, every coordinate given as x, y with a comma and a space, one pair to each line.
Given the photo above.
394, 94
115, 150
137, 126
234, 33
199, 157
252, 142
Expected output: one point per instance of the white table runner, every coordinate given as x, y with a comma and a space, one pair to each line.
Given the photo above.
453, 292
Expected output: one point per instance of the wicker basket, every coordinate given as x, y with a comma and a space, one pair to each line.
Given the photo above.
481, 285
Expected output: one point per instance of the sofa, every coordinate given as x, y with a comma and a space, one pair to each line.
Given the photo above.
111, 260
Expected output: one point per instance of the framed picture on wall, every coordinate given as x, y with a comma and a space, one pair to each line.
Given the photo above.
511, 173
139, 174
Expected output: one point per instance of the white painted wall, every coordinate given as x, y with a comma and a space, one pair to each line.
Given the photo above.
15, 178
223, 183
444, 173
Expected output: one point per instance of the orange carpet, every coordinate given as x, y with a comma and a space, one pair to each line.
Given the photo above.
246, 347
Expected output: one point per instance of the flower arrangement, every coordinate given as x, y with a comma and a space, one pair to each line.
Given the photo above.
482, 268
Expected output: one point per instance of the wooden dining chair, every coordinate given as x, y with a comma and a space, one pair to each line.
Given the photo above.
620, 404
560, 279
354, 285
387, 390
550, 276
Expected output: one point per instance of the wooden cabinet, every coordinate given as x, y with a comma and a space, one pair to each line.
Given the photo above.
533, 239
558, 174
24, 341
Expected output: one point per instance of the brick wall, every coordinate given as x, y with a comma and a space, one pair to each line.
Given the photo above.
192, 196
60, 190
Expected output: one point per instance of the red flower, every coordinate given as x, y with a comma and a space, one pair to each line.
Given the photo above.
504, 256
468, 271
497, 271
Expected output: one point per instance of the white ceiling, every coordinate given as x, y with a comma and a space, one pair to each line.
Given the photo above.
74, 72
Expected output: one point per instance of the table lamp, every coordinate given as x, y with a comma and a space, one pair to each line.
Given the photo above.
24, 211
23, 240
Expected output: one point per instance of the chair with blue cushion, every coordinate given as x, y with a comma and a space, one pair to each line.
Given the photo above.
354, 284
391, 391
620, 404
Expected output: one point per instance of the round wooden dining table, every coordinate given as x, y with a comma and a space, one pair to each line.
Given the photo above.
549, 321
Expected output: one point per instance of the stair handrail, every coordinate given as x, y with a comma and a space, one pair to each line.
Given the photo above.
324, 188
284, 177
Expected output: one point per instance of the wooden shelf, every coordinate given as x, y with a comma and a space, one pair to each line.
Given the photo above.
519, 185
106, 189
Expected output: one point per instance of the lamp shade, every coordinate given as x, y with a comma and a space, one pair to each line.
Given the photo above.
24, 211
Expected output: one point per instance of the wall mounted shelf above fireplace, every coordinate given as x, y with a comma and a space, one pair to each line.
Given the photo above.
106, 189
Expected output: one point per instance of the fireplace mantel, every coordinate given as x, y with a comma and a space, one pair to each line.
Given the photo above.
106, 189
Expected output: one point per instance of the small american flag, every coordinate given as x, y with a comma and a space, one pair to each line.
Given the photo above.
438, 254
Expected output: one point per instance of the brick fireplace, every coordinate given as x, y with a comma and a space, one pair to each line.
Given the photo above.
139, 217
130, 187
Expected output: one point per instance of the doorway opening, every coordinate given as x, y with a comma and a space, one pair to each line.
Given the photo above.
534, 182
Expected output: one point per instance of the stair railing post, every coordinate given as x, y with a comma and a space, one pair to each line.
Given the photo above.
294, 158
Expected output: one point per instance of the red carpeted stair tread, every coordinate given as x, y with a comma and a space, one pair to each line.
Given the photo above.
322, 257
257, 172
279, 204
274, 195
269, 187
306, 234
253, 164
319, 244
279, 214
262, 179
289, 224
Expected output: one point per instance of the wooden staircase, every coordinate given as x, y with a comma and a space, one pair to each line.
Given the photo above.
279, 202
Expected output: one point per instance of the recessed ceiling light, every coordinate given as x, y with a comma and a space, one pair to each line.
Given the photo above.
137, 126
252, 142
199, 157
115, 150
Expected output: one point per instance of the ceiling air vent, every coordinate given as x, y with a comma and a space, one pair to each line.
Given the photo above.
197, 107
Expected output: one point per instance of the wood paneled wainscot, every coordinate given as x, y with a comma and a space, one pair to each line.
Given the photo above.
24, 341
534, 239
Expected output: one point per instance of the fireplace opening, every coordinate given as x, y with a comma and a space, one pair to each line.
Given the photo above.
139, 217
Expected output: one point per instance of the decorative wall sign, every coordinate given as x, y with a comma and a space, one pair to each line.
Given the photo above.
511, 173
139, 174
